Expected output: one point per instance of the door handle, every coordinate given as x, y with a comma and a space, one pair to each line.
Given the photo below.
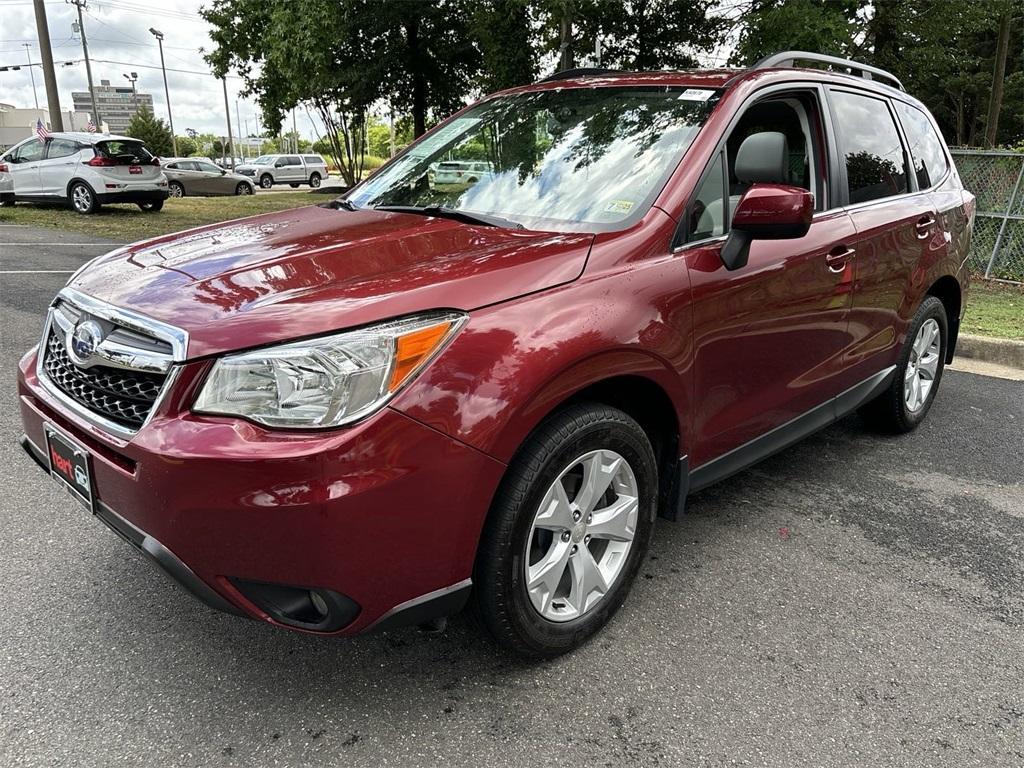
838, 257
923, 225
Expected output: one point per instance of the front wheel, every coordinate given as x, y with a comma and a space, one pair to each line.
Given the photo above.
243, 189
266, 181
905, 403
568, 531
7, 201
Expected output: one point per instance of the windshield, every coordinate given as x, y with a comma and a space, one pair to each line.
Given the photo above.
261, 160
568, 158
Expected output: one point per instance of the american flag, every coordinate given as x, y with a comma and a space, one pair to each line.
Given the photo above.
90, 126
41, 131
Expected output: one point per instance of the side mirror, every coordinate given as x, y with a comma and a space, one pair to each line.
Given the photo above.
223, 172
767, 212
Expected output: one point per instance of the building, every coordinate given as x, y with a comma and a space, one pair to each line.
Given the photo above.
17, 124
117, 105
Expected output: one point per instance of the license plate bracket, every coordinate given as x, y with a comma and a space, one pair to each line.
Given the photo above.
70, 465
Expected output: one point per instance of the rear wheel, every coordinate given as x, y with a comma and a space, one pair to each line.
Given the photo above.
82, 198
243, 189
568, 531
152, 206
905, 403
266, 181
314, 180
176, 188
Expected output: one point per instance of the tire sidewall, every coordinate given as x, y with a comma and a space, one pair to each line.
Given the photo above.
314, 180
93, 205
541, 636
931, 308
174, 185
266, 181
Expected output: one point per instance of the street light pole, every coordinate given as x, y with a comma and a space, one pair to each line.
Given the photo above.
32, 74
227, 114
167, 93
135, 94
80, 4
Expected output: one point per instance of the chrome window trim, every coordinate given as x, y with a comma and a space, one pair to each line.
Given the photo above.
176, 337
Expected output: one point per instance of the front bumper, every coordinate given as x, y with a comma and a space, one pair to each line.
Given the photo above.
380, 513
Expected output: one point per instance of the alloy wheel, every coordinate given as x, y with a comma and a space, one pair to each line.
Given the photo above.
581, 536
922, 365
177, 190
81, 198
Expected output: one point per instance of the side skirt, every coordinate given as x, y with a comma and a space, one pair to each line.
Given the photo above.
786, 434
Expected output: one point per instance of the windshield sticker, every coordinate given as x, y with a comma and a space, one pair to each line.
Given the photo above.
619, 206
696, 94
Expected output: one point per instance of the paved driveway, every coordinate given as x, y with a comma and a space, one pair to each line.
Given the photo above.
854, 601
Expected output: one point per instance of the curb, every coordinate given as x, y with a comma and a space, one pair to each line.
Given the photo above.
1000, 351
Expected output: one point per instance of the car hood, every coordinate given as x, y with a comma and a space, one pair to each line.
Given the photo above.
313, 270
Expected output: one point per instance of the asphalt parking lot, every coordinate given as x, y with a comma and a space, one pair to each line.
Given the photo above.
854, 601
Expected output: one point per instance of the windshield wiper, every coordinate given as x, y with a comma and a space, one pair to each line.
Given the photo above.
442, 212
337, 203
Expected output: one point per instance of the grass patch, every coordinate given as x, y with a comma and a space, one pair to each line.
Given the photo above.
995, 309
128, 223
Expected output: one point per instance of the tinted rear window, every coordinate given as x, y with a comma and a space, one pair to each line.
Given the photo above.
927, 155
124, 152
875, 164
314, 159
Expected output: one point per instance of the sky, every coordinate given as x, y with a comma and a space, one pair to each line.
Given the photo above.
118, 31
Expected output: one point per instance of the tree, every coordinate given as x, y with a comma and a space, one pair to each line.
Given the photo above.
505, 36
187, 146
153, 132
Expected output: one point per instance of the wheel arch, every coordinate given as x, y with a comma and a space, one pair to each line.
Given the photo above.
947, 289
75, 180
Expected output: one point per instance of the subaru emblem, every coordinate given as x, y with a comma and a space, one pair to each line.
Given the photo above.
83, 341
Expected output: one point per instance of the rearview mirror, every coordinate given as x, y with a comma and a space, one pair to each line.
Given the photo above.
767, 212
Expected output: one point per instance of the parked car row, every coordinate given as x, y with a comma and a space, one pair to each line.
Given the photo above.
87, 170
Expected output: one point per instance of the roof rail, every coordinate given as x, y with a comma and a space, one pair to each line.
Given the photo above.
789, 59
567, 74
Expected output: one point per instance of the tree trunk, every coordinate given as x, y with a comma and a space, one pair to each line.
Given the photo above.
567, 59
995, 102
419, 85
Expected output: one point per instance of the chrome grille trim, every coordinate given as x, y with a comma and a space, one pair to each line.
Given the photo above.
135, 344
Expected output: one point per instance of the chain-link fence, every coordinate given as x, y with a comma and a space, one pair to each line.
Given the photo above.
997, 180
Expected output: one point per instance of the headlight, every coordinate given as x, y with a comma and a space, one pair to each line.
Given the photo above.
327, 381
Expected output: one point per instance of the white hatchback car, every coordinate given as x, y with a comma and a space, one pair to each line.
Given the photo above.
85, 170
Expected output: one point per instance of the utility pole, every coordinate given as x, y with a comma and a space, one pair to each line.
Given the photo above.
80, 4
49, 76
295, 134
167, 94
227, 114
28, 54
135, 94
238, 125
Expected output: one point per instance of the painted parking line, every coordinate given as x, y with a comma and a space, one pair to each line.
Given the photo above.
37, 271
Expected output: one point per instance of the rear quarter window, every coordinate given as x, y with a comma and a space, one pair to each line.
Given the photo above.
926, 153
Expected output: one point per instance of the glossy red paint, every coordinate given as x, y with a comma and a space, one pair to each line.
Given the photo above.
391, 508
774, 210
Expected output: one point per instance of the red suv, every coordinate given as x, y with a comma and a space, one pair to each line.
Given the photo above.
372, 412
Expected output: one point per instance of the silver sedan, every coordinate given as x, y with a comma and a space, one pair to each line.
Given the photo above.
199, 176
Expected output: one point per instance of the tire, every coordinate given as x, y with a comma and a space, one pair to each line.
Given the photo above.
176, 188
893, 411
294, 186
243, 189
314, 180
546, 622
152, 206
82, 198
266, 181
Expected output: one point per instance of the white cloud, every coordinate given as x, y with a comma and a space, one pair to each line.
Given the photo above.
118, 31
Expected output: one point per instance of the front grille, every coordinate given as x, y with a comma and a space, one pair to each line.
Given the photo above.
122, 396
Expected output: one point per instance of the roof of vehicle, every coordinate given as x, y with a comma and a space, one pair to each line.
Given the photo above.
90, 138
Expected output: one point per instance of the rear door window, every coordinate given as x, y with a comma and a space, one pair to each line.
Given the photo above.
61, 148
292, 160
926, 153
876, 165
